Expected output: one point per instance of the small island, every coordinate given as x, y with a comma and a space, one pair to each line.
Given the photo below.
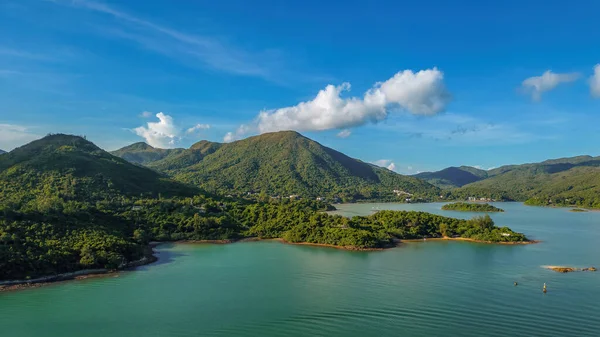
471, 207
563, 269
578, 210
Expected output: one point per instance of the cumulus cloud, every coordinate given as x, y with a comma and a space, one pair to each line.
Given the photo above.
344, 133
239, 133
537, 85
165, 133
419, 93
198, 127
388, 164
595, 82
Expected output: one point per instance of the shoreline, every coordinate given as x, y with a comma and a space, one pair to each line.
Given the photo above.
84, 274
508, 243
150, 257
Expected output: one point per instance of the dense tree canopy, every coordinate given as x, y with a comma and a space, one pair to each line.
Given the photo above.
471, 207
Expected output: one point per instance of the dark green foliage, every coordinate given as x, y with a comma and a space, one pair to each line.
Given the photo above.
453, 176
471, 207
297, 223
143, 154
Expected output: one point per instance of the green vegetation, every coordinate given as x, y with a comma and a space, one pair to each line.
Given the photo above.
471, 207
143, 154
560, 182
452, 177
66, 205
286, 163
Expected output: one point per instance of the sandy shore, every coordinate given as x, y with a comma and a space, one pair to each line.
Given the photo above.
473, 240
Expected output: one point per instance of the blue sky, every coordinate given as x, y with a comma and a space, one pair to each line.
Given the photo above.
420, 84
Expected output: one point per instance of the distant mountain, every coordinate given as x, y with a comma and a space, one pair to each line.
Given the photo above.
2, 152
71, 167
142, 153
549, 182
185, 158
286, 163
453, 176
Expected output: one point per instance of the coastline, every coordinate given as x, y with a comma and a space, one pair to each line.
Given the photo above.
150, 257
530, 242
15, 285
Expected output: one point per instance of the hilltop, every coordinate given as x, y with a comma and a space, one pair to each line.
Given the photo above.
72, 167
287, 163
453, 176
142, 153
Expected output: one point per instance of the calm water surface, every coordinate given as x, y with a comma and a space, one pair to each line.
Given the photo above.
272, 289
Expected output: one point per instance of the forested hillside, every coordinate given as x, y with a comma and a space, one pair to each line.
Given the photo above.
142, 153
565, 181
287, 163
66, 205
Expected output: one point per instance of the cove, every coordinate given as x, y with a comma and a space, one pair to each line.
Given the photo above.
272, 289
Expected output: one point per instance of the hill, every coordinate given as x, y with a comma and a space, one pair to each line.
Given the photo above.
142, 153
287, 163
2, 152
64, 166
564, 181
453, 176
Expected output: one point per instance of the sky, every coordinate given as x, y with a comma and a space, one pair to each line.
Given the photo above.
409, 85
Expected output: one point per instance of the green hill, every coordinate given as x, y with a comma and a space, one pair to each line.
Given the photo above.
185, 158
564, 181
64, 166
287, 163
142, 153
453, 176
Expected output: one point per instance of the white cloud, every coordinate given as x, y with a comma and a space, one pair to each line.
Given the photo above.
385, 163
165, 133
595, 82
198, 127
146, 114
344, 133
420, 93
241, 131
12, 136
537, 85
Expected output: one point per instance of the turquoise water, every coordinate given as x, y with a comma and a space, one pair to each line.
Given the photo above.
272, 289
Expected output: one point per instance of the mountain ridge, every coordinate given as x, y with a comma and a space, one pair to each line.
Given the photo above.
287, 163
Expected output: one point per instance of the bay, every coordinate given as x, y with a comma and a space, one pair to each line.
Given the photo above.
431, 288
